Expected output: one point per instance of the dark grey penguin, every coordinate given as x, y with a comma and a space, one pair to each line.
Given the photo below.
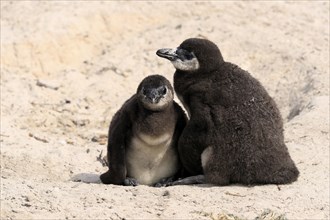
235, 131
143, 136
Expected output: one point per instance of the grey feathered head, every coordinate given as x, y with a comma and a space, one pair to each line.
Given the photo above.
155, 92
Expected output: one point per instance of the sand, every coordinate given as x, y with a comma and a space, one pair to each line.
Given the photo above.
67, 67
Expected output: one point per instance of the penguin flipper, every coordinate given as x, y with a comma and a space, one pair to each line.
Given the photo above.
118, 133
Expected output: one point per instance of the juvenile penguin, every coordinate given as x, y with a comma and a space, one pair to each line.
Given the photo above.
235, 131
143, 136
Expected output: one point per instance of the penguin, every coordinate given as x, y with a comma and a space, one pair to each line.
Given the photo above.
235, 131
143, 136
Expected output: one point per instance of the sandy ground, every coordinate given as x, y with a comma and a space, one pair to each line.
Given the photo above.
66, 68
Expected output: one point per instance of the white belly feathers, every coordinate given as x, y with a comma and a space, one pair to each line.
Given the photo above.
151, 158
185, 106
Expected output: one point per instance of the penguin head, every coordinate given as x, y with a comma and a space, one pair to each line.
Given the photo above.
155, 93
193, 54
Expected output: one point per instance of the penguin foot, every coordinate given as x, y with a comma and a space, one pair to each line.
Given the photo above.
199, 179
165, 182
130, 182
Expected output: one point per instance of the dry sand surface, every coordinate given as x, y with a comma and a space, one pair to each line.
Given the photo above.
67, 67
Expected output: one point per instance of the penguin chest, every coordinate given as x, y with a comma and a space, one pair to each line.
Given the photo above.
151, 158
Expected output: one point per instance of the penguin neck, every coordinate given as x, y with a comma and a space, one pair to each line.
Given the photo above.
183, 80
157, 122
147, 113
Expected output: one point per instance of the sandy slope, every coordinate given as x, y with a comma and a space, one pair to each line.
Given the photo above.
92, 55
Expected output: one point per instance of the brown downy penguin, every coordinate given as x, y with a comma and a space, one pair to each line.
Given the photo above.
235, 131
143, 136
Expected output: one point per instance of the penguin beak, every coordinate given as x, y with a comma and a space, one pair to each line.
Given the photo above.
153, 95
168, 53
182, 59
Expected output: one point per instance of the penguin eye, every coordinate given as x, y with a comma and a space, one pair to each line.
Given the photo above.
163, 90
189, 56
144, 91
184, 54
